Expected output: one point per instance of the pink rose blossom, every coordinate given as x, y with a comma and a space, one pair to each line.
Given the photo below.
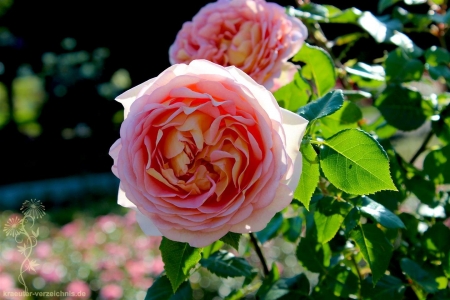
205, 150
256, 36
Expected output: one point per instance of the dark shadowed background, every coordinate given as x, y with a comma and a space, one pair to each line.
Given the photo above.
61, 65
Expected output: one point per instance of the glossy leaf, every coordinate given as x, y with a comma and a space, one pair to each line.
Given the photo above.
310, 174
179, 259
401, 107
388, 287
400, 68
161, 290
351, 220
287, 288
320, 65
375, 248
271, 229
322, 107
388, 31
380, 214
356, 163
232, 239
225, 264
292, 228
419, 275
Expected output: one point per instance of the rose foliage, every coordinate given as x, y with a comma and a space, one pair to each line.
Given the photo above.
345, 160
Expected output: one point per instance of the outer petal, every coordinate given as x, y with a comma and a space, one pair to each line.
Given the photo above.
294, 128
127, 98
147, 225
114, 153
195, 238
261, 94
260, 218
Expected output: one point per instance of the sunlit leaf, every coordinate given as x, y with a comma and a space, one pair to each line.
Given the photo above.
375, 248
310, 174
437, 165
380, 214
321, 66
356, 163
400, 68
328, 218
179, 259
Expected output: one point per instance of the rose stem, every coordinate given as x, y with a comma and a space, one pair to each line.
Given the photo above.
259, 253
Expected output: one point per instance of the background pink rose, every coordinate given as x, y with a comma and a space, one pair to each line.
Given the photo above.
253, 35
205, 150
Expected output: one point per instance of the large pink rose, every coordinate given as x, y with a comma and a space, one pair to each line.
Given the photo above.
205, 150
253, 35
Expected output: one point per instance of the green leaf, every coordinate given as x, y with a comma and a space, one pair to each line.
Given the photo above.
208, 250
328, 218
310, 174
179, 259
286, 288
162, 290
322, 107
401, 68
401, 107
354, 162
441, 126
423, 189
341, 282
437, 240
388, 287
419, 275
295, 94
435, 56
225, 264
271, 229
388, 31
351, 220
357, 95
321, 66
345, 118
269, 280
292, 228
313, 256
232, 239
375, 248
380, 214
437, 165
383, 4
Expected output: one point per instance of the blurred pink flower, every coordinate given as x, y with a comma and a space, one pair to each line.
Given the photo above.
111, 292
43, 249
6, 282
112, 275
79, 286
157, 266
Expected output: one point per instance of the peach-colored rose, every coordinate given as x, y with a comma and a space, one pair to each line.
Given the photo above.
256, 36
205, 150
